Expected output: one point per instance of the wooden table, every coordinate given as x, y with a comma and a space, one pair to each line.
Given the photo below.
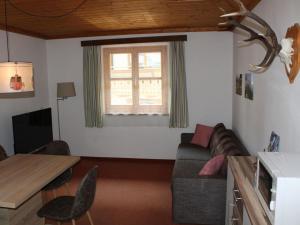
21, 179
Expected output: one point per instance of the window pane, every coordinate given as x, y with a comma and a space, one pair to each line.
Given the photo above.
150, 64
150, 92
121, 92
120, 66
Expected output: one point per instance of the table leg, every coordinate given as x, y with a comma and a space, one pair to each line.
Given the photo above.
24, 214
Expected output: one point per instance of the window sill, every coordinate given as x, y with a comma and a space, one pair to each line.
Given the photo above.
121, 114
136, 120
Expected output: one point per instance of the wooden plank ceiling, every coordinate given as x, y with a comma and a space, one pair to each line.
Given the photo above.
115, 17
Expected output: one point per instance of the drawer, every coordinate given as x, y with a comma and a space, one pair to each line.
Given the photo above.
238, 205
237, 218
238, 200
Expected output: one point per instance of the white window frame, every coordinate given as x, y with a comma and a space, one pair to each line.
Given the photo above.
135, 109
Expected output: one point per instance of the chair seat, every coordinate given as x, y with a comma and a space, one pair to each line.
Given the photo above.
66, 208
58, 209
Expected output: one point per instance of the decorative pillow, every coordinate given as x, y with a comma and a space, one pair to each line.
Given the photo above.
213, 166
202, 135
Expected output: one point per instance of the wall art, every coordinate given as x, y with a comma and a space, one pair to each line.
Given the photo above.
274, 142
239, 84
268, 38
16, 80
293, 63
249, 86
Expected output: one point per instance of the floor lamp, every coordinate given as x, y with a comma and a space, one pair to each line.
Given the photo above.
64, 90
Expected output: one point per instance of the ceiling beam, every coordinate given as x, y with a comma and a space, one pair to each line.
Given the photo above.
135, 40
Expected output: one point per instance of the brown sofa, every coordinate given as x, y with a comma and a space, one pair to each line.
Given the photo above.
201, 199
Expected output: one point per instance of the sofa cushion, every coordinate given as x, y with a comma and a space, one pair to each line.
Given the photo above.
216, 138
213, 166
186, 137
217, 129
202, 135
225, 144
191, 151
227, 141
187, 168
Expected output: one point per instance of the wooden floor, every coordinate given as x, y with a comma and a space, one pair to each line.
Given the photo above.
129, 192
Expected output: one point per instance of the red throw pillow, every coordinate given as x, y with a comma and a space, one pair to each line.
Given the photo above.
213, 166
202, 135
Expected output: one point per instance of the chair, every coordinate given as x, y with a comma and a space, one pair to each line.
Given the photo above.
57, 148
70, 208
3, 154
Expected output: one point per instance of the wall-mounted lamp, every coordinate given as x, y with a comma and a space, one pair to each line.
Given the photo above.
64, 90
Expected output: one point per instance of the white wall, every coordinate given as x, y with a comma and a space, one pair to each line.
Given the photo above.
209, 65
276, 105
23, 48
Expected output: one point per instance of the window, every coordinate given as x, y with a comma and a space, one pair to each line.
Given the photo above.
136, 80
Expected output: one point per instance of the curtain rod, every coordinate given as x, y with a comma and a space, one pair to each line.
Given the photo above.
134, 40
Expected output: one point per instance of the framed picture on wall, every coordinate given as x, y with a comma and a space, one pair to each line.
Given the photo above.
274, 142
16, 80
249, 86
239, 84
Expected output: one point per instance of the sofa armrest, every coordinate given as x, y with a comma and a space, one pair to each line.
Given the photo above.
199, 200
186, 137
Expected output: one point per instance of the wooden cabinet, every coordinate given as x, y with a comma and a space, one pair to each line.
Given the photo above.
242, 204
229, 197
235, 207
238, 206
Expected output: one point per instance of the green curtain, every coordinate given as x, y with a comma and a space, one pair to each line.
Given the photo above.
92, 86
179, 116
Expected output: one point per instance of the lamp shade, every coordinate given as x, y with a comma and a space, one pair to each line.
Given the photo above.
66, 89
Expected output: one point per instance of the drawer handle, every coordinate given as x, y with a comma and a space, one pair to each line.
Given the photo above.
236, 198
234, 220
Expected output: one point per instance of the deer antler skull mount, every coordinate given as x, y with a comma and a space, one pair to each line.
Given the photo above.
293, 67
268, 38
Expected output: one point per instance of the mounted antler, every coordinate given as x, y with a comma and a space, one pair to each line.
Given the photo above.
268, 39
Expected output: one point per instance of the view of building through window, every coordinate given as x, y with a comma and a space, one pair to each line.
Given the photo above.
136, 78
121, 75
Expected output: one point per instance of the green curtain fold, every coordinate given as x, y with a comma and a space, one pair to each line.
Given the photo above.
92, 87
179, 116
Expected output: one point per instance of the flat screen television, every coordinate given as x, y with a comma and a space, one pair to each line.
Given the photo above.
32, 130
